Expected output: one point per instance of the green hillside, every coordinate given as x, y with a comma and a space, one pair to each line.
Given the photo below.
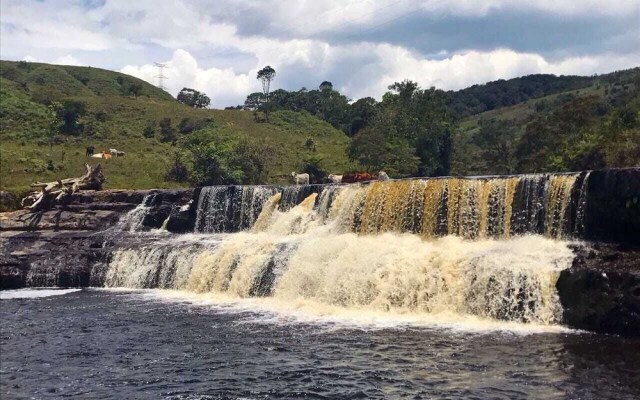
596, 125
49, 114
114, 118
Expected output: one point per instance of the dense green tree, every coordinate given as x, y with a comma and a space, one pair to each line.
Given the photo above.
212, 166
361, 114
265, 76
420, 117
253, 159
497, 138
253, 101
326, 85
70, 113
193, 98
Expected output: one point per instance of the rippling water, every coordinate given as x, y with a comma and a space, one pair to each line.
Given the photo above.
138, 344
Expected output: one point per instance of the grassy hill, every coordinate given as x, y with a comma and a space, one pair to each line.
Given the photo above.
114, 119
117, 117
563, 89
598, 117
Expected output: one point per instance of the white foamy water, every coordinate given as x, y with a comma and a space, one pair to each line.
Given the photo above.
376, 253
275, 311
34, 293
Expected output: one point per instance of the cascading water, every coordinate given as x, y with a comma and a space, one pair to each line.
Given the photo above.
482, 247
132, 221
228, 208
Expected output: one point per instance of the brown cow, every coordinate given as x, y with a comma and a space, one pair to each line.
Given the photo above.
352, 177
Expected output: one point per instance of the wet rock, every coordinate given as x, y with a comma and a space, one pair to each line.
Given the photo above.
613, 206
63, 259
600, 292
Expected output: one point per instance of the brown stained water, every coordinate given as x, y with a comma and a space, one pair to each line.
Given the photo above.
97, 344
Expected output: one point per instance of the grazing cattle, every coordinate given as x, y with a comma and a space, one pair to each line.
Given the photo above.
116, 153
300, 179
353, 177
89, 152
335, 178
382, 176
103, 155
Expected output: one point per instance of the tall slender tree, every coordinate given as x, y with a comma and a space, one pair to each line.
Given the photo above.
266, 75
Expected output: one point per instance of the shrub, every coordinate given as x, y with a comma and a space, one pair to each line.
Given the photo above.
149, 131
187, 125
167, 133
178, 171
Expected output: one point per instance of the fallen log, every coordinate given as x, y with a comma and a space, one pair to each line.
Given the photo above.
54, 192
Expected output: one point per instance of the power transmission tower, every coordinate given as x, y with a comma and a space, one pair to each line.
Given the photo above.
161, 76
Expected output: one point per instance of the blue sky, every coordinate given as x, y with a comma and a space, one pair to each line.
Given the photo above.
361, 46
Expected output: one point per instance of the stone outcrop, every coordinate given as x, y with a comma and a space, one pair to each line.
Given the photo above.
613, 206
98, 210
600, 292
70, 244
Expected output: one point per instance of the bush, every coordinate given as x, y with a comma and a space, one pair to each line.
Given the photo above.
310, 145
187, 125
149, 131
178, 171
101, 116
312, 166
167, 133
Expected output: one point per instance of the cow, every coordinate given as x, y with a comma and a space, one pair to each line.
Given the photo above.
300, 179
382, 176
103, 155
117, 153
353, 177
334, 178
89, 152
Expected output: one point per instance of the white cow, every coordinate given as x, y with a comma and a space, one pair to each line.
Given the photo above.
335, 178
116, 153
382, 176
300, 179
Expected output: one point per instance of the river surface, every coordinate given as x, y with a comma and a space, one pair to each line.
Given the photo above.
121, 344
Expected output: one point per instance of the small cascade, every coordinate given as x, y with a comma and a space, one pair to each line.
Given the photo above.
581, 210
267, 211
230, 208
557, 193
161, 264
132, 221
293, 195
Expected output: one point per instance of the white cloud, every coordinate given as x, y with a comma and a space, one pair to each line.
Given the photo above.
65, 32
390, 64
224, 86
66, 60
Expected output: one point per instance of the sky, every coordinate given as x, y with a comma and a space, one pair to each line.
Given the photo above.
360, 46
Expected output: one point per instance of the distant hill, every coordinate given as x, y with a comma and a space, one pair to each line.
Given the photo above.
595, 123
114, 118
518, 125
505, 93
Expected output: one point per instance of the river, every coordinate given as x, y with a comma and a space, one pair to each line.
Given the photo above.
154, 344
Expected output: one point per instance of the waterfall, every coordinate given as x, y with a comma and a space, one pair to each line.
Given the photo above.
230, 208
488, 247
132, 221
473, 208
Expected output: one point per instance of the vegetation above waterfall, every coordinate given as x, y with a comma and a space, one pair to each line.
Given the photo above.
51, 113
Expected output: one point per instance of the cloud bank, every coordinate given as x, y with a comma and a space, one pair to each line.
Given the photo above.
361, 46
